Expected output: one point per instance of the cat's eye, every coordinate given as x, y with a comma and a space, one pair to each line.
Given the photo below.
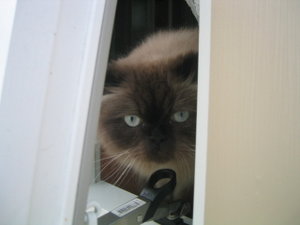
132, 120
181, 116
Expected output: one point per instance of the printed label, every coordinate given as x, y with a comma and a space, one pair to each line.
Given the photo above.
128, 207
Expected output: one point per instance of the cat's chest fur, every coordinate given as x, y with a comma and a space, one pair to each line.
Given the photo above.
148, 112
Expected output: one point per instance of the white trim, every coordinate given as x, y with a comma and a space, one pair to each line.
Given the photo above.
44, 110
202, 111
86, 173
7, 12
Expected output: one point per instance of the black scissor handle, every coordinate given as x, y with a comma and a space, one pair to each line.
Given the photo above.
156, 194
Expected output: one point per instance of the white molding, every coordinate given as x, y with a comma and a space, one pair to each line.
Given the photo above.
44, 110
86, 173
7, 12
202, 111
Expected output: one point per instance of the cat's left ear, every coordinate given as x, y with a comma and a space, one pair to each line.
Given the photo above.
187, 67
114, 77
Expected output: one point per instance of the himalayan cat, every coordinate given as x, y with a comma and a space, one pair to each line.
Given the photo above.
148, 112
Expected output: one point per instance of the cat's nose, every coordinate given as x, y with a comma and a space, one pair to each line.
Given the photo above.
157, 140
157, 136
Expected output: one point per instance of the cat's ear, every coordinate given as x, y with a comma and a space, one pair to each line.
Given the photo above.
187, 67
114, 77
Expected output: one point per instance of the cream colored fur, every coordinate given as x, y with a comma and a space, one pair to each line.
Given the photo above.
160, 47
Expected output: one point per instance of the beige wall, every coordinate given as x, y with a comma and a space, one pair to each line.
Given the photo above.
254, 120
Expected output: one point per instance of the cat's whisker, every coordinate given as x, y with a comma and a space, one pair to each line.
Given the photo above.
178, 161
114, 159
184, 165
111, 156
123, 175
189, 151
113, 173
137, 154
188, 147
96, 177
131, 175
118, 169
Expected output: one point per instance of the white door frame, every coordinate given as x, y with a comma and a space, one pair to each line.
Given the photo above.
44, 108
202, 111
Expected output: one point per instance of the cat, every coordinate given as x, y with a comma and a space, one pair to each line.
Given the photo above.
148, 113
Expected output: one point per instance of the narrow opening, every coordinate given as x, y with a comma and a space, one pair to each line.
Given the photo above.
148, 112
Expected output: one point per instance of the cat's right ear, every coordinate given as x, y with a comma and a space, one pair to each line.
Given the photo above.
186, 67
113, 78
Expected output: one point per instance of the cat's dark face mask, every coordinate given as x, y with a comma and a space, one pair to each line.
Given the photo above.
151, 111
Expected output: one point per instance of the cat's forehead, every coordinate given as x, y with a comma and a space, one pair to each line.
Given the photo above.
157, 96
153, 95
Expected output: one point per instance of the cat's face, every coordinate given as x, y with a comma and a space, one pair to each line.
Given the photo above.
149, 112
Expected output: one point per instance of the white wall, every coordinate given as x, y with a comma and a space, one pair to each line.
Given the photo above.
22, 105
7, 12
254, 121
44, 109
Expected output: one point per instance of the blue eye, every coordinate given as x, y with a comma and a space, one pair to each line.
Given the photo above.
181, 116
132, 120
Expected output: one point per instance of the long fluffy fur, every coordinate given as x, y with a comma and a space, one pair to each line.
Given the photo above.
150, 67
